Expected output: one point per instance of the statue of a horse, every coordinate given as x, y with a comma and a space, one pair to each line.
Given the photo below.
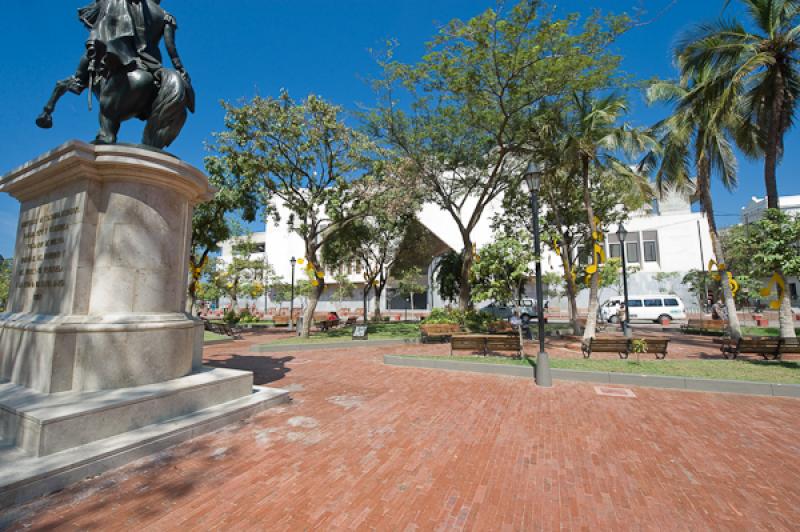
128, 79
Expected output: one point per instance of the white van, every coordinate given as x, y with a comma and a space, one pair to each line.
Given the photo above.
654, 308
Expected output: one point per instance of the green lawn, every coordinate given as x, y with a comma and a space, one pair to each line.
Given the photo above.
738, 370
761, 331
377, 331
213, 337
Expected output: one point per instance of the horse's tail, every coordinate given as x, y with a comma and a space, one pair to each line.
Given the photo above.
169, 111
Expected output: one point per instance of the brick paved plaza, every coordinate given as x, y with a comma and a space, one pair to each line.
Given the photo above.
365, 446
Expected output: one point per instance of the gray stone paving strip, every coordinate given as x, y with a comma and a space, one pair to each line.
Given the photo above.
270, 348
603, 377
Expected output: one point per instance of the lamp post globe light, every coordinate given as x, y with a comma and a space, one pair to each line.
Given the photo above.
533, 177
622, 234
293, 261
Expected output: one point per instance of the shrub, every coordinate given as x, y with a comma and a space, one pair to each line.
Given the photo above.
231, 318
470, 320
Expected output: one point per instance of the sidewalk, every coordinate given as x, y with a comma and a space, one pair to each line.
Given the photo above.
366, 446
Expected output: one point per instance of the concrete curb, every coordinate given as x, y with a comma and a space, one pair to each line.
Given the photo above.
268, 348
217, 342
603, 377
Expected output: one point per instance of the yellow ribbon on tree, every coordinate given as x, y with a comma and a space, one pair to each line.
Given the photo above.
599, 257
717, 275
780, 288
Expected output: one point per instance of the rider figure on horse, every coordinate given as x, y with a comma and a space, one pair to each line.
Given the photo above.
124, 37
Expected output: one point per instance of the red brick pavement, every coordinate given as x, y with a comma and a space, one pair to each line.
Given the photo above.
364, 446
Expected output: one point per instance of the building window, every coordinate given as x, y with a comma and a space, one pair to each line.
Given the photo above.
632, 252
614, 250
650, 246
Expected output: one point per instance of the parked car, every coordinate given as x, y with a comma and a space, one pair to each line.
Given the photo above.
656, 308
504, 311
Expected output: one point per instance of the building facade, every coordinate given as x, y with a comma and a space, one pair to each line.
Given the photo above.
665, 241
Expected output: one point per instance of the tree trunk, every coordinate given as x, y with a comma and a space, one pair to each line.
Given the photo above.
594, 290
572, 298
707, 205
316, 294
378, 291
786, 315
308, 315
774, 145
465, 288
366, 295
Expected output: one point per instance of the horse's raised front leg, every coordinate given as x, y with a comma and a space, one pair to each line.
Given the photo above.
72, 84
109, 128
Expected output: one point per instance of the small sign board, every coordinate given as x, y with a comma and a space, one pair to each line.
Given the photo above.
360, 332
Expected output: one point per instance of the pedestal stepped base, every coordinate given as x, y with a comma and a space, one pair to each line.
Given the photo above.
98, 363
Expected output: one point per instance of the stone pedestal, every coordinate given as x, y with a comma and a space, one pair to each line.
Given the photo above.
95, 343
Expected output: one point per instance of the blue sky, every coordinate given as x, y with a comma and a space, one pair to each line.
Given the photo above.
238, 48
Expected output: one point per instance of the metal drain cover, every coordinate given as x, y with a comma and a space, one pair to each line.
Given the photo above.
614, 392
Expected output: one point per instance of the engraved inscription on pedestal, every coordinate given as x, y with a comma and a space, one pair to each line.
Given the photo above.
47, 247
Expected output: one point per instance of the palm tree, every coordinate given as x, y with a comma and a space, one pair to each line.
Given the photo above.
593, 141
759, 71
697, 138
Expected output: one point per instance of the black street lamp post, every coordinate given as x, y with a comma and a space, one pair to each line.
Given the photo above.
622, 234
291, 301
533, 176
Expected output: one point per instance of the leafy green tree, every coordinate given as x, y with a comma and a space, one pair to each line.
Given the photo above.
409, 284
374, 242
243, 275
699, 284
696, 139
472, 99
665, 280
6, 269
771, 247
280, 292
554, 285
344, 287
448, 275
502, 269
304, 156
611, 274
594, 140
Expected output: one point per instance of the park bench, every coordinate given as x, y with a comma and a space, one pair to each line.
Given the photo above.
351, 320
764, 346
475, 344
624, 346
439, 331
280, 321
326, 325
789, 346
231, 330
705, 326
485, 344
504, 343
223, 329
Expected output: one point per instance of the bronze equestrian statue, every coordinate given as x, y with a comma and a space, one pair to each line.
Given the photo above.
122, 66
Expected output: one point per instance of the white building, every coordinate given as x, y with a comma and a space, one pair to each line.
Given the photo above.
755, 209
667, 237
